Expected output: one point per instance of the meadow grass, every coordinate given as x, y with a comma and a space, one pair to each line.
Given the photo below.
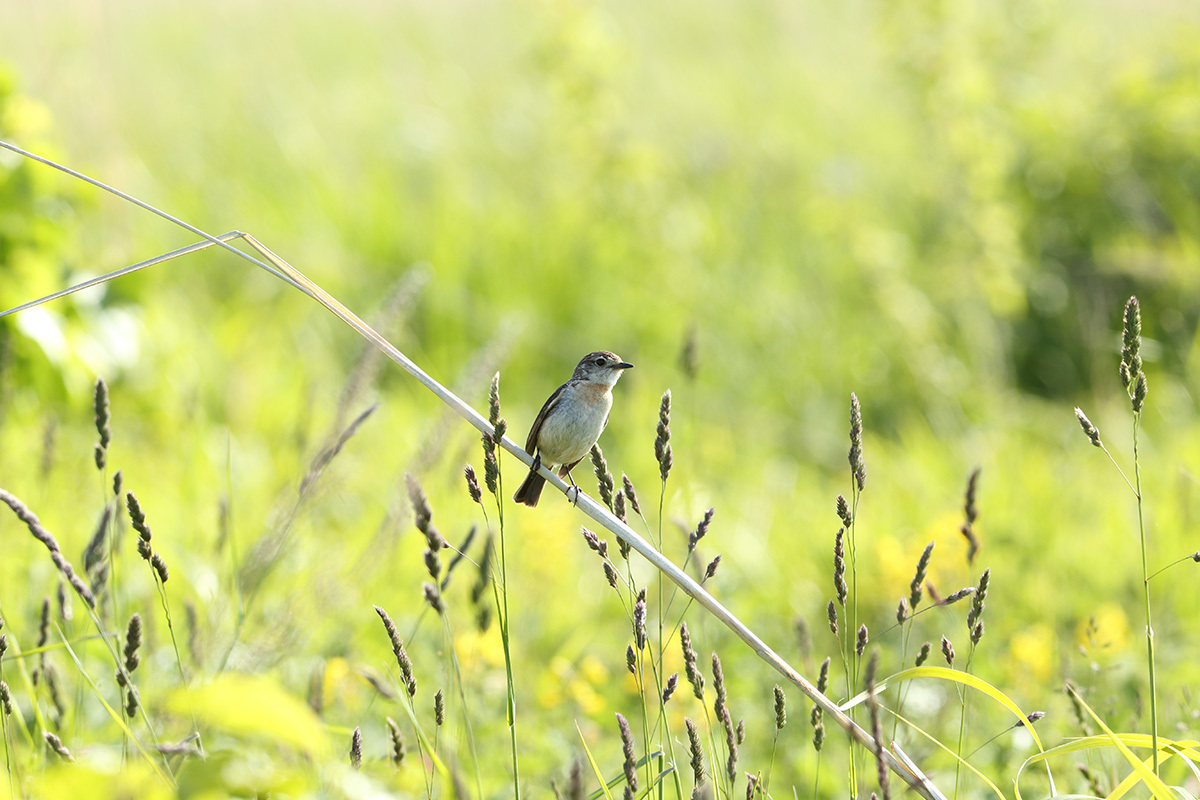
939, 210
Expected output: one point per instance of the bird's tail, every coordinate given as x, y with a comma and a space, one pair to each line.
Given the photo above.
531, 489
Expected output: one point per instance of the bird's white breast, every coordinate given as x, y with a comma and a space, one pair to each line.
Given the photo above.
575, 423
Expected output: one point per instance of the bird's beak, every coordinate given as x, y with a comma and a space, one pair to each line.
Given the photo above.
624, 365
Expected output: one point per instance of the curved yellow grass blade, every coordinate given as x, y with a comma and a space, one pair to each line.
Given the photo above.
1141, 772
955, 676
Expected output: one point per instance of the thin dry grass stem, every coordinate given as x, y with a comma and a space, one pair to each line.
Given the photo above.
1194, 557
460, 555
42, 535
1093, 435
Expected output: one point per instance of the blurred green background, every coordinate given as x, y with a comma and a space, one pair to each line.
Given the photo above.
941, 207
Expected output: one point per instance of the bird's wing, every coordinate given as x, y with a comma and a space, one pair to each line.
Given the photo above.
531, 442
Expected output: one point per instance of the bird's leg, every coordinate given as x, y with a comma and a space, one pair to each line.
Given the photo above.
574, 499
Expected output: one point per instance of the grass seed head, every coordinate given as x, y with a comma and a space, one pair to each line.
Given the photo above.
914, 588
356, 749
719, 704
843, 511
610, 574
604, 478
780, 708
160, 567
630, 493
839, 567
662, 440
397, 742
100, 406
1131, 358
701, 529
58, 747
639, 623
402, 659
711, 569
689, 662
669, 689
44, 536
630, 763
1088, 428
857, 465
473, 484
697, 752
1140, 390
948, 651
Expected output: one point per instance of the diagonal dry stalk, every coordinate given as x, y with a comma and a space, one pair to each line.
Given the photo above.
281, 269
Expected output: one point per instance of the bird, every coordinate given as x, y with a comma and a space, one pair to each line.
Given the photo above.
571, 421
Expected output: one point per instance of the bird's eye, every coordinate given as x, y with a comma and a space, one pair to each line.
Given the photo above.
599, 361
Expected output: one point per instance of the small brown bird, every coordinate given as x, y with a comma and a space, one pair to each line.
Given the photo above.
571, 421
